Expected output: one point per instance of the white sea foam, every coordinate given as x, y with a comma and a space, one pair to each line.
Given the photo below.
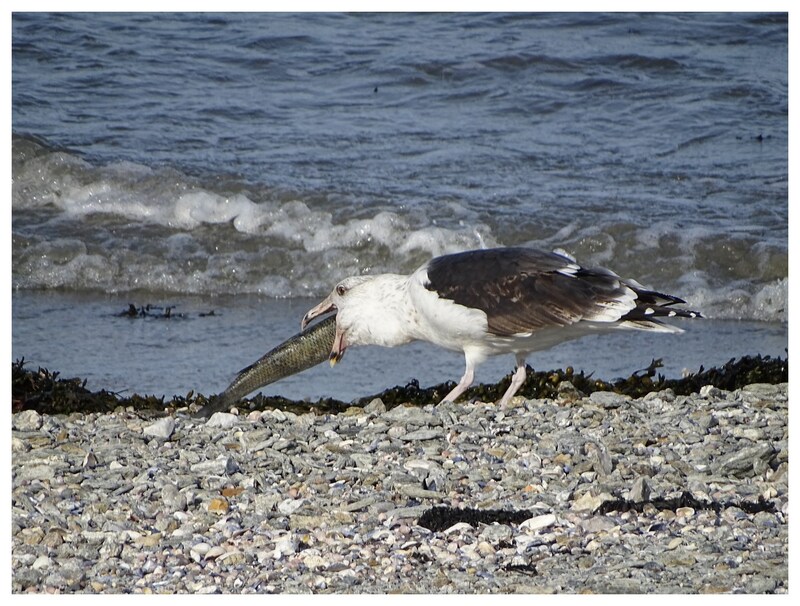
767, 302
125, 226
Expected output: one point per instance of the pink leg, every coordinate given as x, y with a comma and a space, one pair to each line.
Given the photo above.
516, 381
463, 384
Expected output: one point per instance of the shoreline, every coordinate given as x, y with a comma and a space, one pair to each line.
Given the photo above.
278, 502
46, 392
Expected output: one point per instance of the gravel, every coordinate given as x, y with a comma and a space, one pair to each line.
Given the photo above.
600, 494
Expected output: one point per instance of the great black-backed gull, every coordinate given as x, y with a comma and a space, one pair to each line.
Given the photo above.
489, 302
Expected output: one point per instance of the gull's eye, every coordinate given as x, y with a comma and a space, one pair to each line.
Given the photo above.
340, 290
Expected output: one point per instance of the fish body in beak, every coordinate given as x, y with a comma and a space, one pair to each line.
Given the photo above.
339, 344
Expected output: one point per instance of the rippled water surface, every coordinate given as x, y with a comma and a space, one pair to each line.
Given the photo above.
164, 156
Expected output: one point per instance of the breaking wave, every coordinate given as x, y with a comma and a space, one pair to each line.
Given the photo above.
126, 227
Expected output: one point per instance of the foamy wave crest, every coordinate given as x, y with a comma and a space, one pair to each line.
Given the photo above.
201, 264
316, 232
132, 191
767, 302
127, 227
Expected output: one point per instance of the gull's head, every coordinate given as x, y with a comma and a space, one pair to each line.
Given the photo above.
346, 299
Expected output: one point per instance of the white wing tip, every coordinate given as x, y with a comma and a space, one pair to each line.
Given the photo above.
564, 253
650, 326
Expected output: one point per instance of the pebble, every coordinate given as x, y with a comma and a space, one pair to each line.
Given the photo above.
223, 420
277, 502
590, 502
608, 399
597, 524
411, 415
640, 491
173, 499
162, 428
42, 562
539, 522
746, 461
27, 420
421, 434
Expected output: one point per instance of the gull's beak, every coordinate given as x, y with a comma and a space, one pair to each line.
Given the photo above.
321, 309
339, 346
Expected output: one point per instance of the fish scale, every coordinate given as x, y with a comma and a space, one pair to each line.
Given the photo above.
298, 353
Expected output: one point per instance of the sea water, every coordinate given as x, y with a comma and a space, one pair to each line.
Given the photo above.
246, 162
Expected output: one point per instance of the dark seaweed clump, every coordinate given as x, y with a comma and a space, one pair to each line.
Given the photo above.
47, 392
440, 518
160, 312
733, 375
686, 499
437, 519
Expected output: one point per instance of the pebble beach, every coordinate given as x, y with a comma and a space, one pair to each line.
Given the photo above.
576, 494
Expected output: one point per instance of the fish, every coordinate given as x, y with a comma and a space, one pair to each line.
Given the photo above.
308, 348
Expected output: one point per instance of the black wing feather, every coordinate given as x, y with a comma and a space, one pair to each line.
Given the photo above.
523, 289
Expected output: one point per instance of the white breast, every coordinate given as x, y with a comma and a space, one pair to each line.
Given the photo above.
441, 321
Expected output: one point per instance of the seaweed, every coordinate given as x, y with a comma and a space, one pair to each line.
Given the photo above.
322, 406
47, 392
44, 391
528, 569
685, 499
439, 518
545, 384
161, 312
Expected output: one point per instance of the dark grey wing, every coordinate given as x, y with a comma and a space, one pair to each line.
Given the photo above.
523, 290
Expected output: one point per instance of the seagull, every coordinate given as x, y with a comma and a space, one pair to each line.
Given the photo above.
489, 302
